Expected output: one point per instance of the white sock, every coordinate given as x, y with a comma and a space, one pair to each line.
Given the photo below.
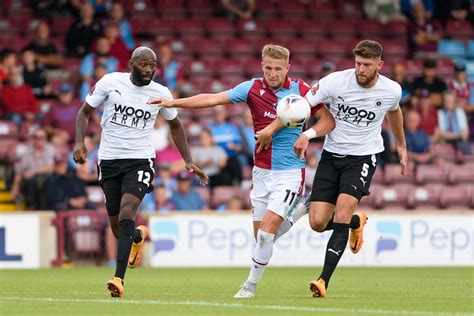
261, 255
284, 228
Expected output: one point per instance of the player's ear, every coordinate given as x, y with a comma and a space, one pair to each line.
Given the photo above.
380, 64
130, 64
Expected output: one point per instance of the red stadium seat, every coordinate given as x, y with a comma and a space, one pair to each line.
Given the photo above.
341, 29
221, 194
302, 48
333, 49
60, 25
431, 174
462, 173
8, 129
240, 48
205, 194
424, 197
378, 176
205, 47
201, 8
458, 196
395, 196
290, 9
182, 47
251, 28
230, 67
322, 10
221, 28
279, 28
312, 29
190, 28
396, 30
394, 49
370, 29
392, 175
8, 150
368, 202
459, 30
350, 9
171, 8
202, 68
298, 68
157, 27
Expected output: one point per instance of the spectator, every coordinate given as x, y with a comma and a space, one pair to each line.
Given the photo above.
233, 204
117, 46
169, 71
420, 150
159, 134
31, 171
64, 190
399, 74
460, 85
61, 118
458, 10
431, 82
100, 56
87, 172
326, 68
100, 70
424, 33
428, 115
34, 75
212, 159
453, 126
83, 32
17, 101
239, 9
164, 178
9, 62
157, 200
186, 199
248, 135
228, 137
117, 16
44, 49
171, 156
383, 11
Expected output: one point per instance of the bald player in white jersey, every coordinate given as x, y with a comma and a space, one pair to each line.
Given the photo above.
126, 153
359, 99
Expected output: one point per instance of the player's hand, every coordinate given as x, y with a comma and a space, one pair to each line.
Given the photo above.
403, 156
162, 102
80, 153
264, 139
204, 179
300, 145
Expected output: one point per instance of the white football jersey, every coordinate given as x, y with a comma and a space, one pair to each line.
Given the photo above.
358, 111
128, 120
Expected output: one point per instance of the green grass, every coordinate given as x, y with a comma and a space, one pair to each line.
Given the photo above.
282, 291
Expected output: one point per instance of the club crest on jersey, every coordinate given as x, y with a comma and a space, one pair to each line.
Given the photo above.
378, 103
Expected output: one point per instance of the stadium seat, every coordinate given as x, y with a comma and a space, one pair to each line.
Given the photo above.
311, 29
445, 68
350, 9
461, 174
230, 67
220, 28
446, 151
470, 49
290, 9
302, 48
451, 48
322, 10
188, 28
424, 197
221, 194
396, 30
392, 175
278, 28
378, 177
368, 202
8, 129
240, 47
171, 8
370, 29
414, 68
202, 68
60, 25
333, 49
458, 196
338, 29
431, 174
298, 69
251, 28
206, 47
395, 196
157, 27
201, 8
204, 193
459, 30
182, 48
394, 49
8, 148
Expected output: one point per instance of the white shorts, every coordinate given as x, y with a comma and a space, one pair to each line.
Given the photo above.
275, 190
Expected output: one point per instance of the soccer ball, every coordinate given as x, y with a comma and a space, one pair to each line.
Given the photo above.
293, 110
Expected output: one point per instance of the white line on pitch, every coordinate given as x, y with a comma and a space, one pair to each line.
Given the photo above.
237, 305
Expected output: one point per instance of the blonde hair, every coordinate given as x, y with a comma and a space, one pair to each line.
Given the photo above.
276, 51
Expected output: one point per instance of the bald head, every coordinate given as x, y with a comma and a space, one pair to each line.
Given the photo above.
143, 52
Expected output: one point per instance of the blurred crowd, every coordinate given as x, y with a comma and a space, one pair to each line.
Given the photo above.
44, 81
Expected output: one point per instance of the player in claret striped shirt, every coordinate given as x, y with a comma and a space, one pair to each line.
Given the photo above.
278, 174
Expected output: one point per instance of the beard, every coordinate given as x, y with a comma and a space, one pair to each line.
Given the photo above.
365, 80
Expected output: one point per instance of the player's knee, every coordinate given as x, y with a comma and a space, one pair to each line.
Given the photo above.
317, 224
264, 238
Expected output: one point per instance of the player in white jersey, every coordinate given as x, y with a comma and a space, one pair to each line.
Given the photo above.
360, 99
126, 153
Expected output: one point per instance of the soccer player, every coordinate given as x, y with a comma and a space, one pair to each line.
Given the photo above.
360, 99
278, 174
126, 154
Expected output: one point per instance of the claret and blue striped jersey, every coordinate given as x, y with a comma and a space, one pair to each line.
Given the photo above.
262, 102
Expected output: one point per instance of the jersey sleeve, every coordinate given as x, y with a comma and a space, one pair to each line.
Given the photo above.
304, 88
99, 92
398, 96
324, 90
240, 92
168, 113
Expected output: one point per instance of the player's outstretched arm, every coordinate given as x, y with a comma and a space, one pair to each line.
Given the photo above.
203, 100
82, 120
325, 124
395, 120
179, 138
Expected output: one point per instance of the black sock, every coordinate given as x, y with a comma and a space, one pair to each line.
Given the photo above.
334, 250
355, 222
330, 224
137, 236
126, 228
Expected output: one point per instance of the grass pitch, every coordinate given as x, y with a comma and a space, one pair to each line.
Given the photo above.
282, 291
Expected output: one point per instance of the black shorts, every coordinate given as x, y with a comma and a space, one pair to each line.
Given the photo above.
120, 176
338, 174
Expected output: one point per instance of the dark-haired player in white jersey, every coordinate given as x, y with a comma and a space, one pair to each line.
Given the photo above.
126, 153
359, 99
